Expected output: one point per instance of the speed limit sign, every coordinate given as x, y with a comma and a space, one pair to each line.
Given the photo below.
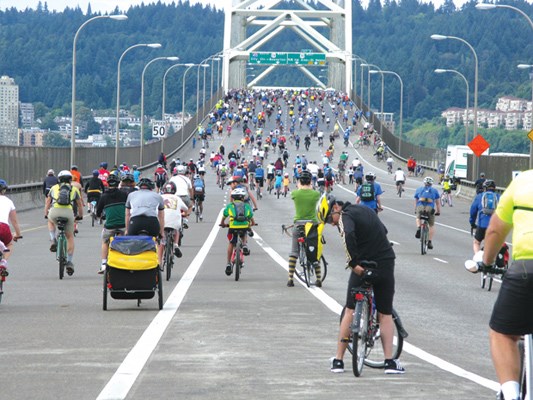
159, 129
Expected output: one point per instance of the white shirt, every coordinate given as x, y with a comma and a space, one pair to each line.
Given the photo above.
183, 185
399, 175
6, 206
173, 208
390, 160
313, 168
356, 162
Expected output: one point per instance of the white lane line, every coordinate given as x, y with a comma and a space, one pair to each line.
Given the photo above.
121, 382
439, 260
334, 306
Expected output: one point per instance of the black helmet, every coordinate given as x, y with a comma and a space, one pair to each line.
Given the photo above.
305, 177
113, 180
127, 178
146, 182
489, 183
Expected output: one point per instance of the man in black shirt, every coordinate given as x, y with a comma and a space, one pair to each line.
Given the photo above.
365, 239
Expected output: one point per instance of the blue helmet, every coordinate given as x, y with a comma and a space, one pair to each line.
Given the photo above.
3, 185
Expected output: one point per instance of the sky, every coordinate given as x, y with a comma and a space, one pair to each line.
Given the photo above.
109, 5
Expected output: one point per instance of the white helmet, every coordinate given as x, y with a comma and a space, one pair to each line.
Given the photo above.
238, 193
182, 169
428, 180
64, 176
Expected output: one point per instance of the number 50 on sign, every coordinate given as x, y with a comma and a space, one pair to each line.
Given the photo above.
159, 129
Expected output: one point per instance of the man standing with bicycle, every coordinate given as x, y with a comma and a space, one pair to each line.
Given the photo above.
511, 316
365, 239
427, 200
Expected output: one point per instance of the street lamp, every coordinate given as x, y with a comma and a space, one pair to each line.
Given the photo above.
117, 17
483, 6
401, 105
142, 100
217, 59
530, 66
117, 138
165, 92
203, 65
442, 71
183, 103
382, 86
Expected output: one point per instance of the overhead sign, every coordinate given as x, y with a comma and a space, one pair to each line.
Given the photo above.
478, 145
159, 129
281, 58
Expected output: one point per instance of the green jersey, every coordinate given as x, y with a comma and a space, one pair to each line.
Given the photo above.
305, 201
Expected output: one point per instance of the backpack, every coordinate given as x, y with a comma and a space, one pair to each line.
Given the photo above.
489, 202
63, 196
329, 175
240, 212
198, 186
368, 192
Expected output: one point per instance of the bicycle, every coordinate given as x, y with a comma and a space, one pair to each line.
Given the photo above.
92, 211
61, 250
424, 232
258, 191
197, 209
306, 272
399, 188
364, 342
237, 256
168, 255
446, 198
4, 273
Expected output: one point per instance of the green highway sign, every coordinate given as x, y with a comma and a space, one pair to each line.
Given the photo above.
280, 58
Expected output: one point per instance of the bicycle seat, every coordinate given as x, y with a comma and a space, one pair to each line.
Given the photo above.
424, 215
61, 222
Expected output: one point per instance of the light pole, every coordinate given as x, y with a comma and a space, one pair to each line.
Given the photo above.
483, 6
117, 17
142, 100
183, 103
442, 71
442, 37
163, 103
382, 86
117, 138
530, 67
203, 65
217, 59
401, 105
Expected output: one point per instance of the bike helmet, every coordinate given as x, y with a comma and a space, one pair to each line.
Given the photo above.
428, 180
324, 207
50, 172
147, 183
103, 165
127, 178
196, 176
95, 172
305, 177
370, 176
489, 183
3, 185
181, 169
134, 167
170, 187
238, 193
64, 176
113, 180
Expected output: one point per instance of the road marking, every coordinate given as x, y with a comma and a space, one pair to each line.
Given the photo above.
121, 382
439, 260
334, 306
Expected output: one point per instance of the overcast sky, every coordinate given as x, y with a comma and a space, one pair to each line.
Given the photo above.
109, 5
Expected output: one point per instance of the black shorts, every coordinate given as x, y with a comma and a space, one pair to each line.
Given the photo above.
259, 181
143, 223
512, 314
199, 196
359, 180
270, 176
383, 288
480, 234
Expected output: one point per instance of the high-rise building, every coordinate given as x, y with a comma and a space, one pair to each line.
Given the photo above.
9, 111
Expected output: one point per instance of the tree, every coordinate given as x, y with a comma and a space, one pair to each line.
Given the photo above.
54, 139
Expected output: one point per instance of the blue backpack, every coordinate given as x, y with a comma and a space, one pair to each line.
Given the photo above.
489, 202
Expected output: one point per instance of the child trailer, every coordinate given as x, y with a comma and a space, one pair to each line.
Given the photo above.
132, 270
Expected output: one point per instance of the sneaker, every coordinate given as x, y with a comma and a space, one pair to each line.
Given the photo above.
177, 252
290, 283
430, 245
53, 246
228, 269
245, 250
201, 217
102, 269
318, 283
3, 268
417, 234
337, 366
70, 268
394, 367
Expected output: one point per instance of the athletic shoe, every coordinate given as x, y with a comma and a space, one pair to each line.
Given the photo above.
3, 268
417, 234
337, 366
394, 367
201, 217
245, 250
318, 283
228, 269
430, 245
177, 252
70, 268
102, 269
53, 246
290, 283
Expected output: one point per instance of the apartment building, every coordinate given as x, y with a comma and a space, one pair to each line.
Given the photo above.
9, 111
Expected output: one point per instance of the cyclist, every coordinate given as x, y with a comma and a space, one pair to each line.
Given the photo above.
390, 162
259, 177
49, 181
400, 178
365, 238
136, 173
94, 189
127, 183
447, 189
54, 210
305, 202
199, 193
240, 216
286, 183
113, 203
478, 184
145, 211
426, 200
369, 193
160, 177
8, 214
76, 175
183, 186
174, 207
481, 211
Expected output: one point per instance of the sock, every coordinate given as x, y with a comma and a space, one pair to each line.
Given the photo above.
52, 235
511, 390
104, 261
69, 257
292, 266
318, 271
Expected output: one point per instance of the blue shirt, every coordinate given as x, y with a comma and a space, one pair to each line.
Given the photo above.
373, 204
426, 196
259, 172
476, 213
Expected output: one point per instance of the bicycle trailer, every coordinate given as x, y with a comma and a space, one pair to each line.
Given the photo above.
132, 271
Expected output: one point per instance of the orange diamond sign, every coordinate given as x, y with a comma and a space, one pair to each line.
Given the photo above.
478, 145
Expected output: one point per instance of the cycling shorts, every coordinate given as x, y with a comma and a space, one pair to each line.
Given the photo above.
56, 212
108, 233
5, 233
398, 182
429, 209
199, 196
260, 181
480, 234
143, 223
383, 287
270, 176
512, 314
233, 234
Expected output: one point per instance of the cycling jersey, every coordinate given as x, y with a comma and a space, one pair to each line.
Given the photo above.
426, 196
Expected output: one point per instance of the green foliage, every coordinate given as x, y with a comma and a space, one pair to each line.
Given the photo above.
54, 139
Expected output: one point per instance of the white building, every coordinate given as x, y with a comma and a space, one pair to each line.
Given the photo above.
9, 111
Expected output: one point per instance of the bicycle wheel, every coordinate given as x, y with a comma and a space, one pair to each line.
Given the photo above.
159, 289
196, 210
93, 218
359, 332
302, 274
1, 289
169, 254
375, 357
323, 268
400, 189
442, 201
237, 263
424, 237
62, 254
104, 291
491, 278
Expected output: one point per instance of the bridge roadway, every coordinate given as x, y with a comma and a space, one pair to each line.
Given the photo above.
252, 339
